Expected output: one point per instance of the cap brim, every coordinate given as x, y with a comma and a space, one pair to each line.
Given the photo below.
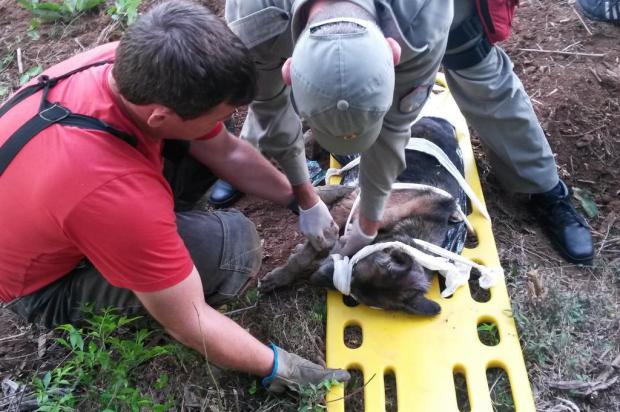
344, 146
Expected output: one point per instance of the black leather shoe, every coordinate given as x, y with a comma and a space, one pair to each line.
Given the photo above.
566, 227
223, 194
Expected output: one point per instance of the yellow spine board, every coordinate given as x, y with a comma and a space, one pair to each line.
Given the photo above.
424, 353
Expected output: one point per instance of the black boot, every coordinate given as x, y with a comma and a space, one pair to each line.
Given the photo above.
223, 194
566, 227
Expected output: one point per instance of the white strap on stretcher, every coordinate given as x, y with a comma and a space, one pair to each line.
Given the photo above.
454, 268
430, 148
332, 171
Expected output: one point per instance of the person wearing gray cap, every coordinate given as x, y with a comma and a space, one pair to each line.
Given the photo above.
350, 62
358, 73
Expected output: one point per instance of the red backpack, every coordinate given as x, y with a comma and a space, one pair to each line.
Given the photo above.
496, 17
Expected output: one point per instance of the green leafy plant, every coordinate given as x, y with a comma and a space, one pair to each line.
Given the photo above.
253, 388
4, 91
125, 11
319, 312
488, 333
29, 74
49, 11
100, 369
312, 397
586, 199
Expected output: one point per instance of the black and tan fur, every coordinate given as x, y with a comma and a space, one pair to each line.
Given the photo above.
390, 279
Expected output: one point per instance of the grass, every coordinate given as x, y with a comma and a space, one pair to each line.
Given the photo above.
499, 388
101, 368
312, 397
565, 329
569, 333
125, 11
488, 333
65, 10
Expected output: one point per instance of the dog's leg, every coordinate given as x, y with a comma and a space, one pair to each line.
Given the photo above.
301, 263
330, 194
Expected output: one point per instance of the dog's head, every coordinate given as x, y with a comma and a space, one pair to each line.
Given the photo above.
388, 279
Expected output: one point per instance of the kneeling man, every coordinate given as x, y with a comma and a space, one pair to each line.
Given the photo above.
87, 215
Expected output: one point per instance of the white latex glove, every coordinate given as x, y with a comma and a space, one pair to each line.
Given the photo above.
318, 226
352, 241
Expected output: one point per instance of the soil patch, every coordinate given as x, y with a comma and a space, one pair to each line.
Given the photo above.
568, 316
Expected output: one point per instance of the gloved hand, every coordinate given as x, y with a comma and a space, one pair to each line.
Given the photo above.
292, 372
351, 242
318, 226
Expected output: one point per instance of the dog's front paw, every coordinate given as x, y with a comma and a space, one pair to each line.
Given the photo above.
275, 279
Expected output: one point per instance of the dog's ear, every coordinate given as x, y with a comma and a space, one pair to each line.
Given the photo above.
400, 263
324, 275
420, 305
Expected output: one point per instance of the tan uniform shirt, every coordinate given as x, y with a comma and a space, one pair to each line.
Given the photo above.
269, 29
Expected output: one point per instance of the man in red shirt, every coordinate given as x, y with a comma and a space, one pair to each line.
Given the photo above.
87, 216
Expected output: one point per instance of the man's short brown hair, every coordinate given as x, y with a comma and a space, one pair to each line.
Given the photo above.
182, 56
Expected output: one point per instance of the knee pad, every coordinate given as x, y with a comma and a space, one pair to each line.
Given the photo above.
470, 33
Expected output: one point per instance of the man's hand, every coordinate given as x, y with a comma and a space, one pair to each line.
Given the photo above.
318, 226
352, 241
292, 372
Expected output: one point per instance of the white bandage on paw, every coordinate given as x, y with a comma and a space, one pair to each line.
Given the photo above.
342, 274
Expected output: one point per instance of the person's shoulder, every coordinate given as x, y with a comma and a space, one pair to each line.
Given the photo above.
105, 52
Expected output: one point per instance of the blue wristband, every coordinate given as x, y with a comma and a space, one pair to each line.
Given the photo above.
269, 378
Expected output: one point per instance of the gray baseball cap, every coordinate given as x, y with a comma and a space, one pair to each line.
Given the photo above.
343, 84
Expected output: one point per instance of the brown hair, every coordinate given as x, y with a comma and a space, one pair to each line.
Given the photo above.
182, 56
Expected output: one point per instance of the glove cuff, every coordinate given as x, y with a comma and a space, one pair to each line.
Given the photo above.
266, 381
311, 209
357, 231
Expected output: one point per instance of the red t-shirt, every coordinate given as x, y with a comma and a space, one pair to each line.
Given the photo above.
72, 193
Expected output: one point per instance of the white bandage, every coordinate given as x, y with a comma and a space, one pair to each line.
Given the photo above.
456, 269
342, 274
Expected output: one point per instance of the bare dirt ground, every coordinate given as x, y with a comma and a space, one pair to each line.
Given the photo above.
568, 316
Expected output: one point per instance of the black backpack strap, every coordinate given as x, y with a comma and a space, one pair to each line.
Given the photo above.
48, 115
468, 30
28, 131
43, 82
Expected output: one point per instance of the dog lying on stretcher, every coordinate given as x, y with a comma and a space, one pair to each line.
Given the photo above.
390, 278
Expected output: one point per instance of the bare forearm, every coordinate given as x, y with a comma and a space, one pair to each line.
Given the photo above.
306, 195
225, 343
256, 175
246, 169
183, 312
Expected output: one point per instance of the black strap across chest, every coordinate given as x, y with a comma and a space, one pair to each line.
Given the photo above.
49, 114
